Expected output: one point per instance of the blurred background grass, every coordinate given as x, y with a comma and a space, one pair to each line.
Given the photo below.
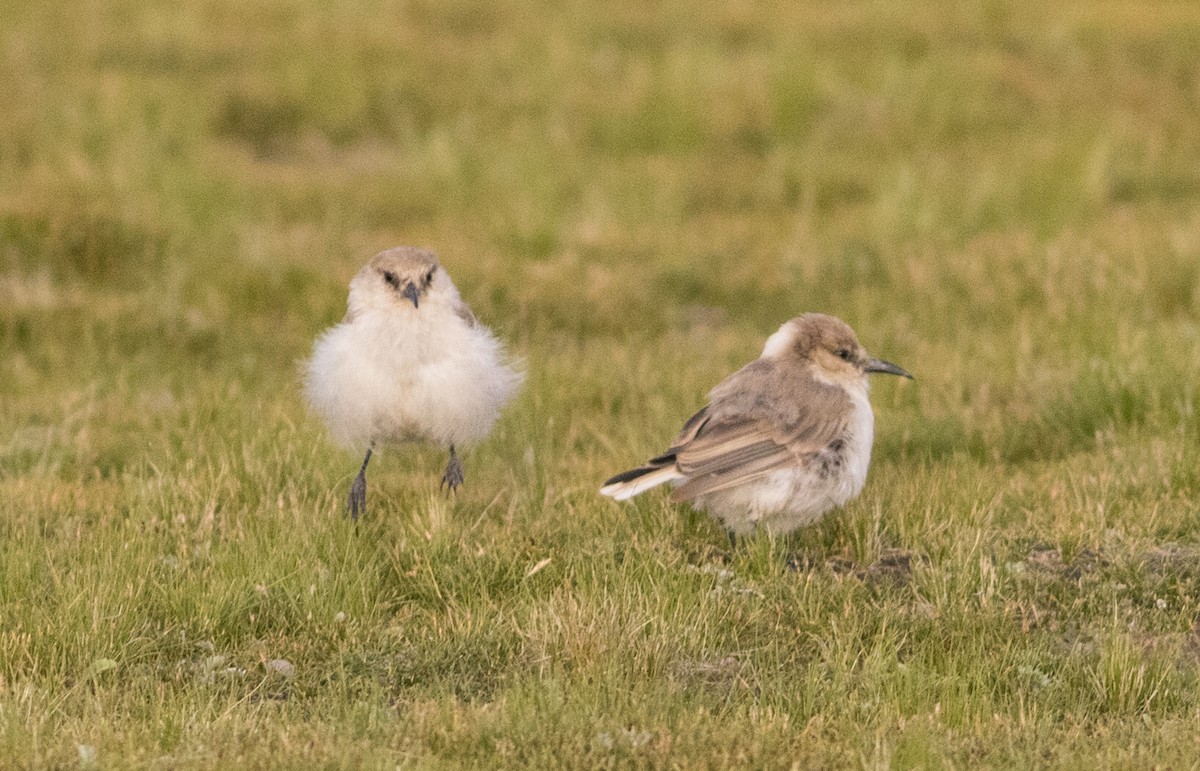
1003, 197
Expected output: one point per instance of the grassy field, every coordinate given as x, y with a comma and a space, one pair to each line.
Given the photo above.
1002, 197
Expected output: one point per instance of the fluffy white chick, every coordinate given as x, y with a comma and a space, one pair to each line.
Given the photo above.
409, 362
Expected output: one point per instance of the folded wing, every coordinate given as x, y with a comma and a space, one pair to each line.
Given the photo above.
761, 419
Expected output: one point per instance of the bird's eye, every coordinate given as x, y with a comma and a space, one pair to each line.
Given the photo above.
390, 277
429, 276
845, 354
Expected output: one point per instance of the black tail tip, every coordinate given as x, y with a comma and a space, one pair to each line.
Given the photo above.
626, 476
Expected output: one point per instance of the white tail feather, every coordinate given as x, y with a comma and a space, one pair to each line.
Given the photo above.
622, 490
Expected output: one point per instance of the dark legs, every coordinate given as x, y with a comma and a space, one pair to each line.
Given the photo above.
454, 473
358, 489
451, 479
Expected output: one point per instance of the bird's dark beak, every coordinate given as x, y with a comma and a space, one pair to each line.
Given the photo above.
879, 365
411, 292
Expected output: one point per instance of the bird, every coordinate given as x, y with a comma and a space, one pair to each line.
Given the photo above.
408, 362
782, 441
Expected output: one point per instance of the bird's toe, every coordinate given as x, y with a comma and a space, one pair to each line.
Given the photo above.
453, 478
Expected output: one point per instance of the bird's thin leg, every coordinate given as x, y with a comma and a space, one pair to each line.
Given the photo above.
358, 489
733, 541
454, 473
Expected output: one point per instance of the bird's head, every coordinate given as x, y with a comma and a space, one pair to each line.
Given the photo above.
830, 346
404, 277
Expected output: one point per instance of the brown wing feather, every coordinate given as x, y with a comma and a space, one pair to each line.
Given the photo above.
772, 419
744, 472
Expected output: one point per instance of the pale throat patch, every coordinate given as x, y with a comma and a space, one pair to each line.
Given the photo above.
857, 385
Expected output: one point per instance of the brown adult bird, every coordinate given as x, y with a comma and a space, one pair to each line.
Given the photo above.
782, 441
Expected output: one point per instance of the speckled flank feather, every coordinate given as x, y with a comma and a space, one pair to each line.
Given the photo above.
392, 372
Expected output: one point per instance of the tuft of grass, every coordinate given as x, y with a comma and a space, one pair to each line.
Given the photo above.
75, 244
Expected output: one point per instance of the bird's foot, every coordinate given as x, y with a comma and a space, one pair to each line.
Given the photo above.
358, 496
452, 479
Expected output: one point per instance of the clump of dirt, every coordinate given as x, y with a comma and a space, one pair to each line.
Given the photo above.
1047, 559
894, 566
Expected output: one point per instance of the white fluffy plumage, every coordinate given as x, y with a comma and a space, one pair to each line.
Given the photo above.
409, 361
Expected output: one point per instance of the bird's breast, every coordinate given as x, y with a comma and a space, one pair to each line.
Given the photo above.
855, 452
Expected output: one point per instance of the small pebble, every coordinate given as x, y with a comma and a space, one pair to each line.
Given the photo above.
281, 667
87, 755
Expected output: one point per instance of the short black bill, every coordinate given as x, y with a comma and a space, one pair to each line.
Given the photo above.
886, 367
411, 292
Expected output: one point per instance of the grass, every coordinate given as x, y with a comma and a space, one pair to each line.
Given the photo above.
1002, 197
